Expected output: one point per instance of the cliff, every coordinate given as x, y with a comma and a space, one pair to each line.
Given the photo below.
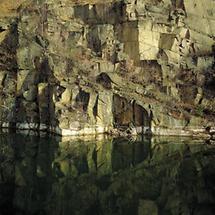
89, 67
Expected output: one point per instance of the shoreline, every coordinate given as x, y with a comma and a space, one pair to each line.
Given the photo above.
95, 131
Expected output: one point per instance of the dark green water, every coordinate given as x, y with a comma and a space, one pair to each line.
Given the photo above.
167, 176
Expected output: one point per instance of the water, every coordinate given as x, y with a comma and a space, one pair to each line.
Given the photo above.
47, 176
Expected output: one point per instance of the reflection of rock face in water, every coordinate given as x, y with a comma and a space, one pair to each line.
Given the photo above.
112, 176
80, 67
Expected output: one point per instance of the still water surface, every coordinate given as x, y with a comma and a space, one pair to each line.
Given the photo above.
159, 176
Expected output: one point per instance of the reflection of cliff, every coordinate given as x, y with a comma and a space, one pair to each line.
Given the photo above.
128, 154
166, 176
7, 174
69, 66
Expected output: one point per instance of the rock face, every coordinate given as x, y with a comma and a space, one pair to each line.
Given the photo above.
89, 67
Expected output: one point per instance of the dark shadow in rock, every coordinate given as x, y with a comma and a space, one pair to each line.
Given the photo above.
129, 114
104, 80
8, 67
82, 100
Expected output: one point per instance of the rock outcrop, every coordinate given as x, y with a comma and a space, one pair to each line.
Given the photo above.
89, 67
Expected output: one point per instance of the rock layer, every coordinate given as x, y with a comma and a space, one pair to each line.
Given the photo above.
89, 67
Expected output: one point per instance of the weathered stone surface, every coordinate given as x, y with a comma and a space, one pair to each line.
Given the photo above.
70, 58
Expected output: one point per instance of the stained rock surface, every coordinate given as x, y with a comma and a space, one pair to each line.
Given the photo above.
89, 67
